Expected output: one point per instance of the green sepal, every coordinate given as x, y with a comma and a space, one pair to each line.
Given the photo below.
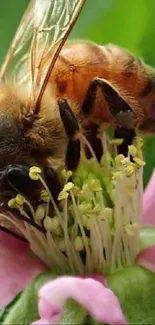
147, 237
24, 308
135, 288
73, 314
5, 310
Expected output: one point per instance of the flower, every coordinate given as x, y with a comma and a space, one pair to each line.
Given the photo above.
149, 202
99, 301
17, 267
94, 229
90, 207
147, 258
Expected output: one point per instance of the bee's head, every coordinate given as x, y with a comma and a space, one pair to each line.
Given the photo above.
29, 139
47, 139
11, 126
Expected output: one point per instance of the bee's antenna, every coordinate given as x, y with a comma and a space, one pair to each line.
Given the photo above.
29, 119
36, 109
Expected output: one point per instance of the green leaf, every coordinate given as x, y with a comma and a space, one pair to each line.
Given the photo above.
147, 237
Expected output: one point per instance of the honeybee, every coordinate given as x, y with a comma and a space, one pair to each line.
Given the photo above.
51, 92
35, 127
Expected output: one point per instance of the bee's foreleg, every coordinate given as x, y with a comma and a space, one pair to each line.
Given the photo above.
91, 134
90, 98
119, 109
73, 154
111, 94
72, 130
53, 182
127, 136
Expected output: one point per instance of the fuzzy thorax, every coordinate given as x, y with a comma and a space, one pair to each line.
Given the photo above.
24, 142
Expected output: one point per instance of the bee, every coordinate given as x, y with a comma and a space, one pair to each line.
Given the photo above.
35, 127
52, 91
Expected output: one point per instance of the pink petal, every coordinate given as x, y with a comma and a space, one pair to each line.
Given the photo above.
97, 277
149, 202
146, 258
16, 267
100, 302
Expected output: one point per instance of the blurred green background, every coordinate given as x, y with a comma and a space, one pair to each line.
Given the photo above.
130, 24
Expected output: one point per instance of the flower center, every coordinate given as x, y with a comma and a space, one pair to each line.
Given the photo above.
95, 227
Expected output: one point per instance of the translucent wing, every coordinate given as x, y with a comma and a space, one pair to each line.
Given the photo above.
54, 20
42, 32
15, 65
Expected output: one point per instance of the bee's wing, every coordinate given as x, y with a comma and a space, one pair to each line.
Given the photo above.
54, 20
41, 34
15, 65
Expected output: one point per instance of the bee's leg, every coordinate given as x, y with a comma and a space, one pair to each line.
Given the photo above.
112, 96
73, 154
119, 109
72, 130
53, 182
89, 101
127, 136
95, 142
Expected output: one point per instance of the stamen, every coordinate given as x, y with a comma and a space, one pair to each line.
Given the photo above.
24, 217
95, 226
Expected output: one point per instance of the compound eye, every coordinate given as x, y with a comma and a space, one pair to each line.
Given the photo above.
19, 180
